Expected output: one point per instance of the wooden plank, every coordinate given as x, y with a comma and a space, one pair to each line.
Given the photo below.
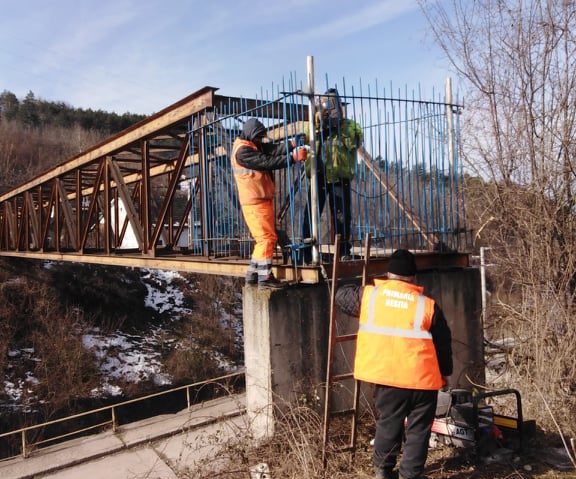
365, 156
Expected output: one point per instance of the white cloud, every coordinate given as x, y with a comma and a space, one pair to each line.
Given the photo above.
141, 56
360, 19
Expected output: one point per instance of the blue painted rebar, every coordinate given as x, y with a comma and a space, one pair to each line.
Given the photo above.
406, 191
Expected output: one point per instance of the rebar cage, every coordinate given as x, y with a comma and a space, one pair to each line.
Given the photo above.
165, 186
406, 186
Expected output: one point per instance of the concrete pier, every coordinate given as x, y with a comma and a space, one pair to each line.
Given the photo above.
286, 341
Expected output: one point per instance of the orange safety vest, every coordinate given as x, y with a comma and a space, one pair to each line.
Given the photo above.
394, 345
253, 186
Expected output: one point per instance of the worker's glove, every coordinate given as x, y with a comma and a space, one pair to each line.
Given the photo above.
297, 140
300, 153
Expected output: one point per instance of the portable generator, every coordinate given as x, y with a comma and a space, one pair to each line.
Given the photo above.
464, 419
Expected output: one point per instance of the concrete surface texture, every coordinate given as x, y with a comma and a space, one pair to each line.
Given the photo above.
286, 341
160, 447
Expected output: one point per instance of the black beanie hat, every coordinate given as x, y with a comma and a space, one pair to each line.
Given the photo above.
402, 263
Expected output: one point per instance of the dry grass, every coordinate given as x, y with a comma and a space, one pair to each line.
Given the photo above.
295, 452
25, 152
210, 336
49, 310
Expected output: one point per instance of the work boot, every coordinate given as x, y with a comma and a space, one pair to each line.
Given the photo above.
251, 279
385, 473
270, 282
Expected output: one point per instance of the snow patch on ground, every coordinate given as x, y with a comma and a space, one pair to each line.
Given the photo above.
122, 357
20, 390
163, 295
126, 357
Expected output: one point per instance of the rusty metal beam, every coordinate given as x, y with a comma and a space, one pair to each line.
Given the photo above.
46, 225
309, 275
175, 177
21, 233
67, 212
131, 213
171, 115
145, 198
11, 221
33, 218
91, 208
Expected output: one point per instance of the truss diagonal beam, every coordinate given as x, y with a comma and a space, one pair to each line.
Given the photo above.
67, 212
131, 213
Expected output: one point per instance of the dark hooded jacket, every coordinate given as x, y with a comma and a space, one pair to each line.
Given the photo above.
268, 156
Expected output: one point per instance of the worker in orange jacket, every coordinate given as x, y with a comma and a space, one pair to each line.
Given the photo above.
253, 162
404, 349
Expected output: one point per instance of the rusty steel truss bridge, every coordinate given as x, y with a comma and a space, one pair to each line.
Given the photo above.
161, 194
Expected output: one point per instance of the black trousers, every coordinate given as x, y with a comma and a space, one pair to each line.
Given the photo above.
394, 406
339, 196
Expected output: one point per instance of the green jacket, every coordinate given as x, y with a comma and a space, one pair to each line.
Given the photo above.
337, 151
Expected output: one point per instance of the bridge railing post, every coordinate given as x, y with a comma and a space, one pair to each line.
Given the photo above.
114, 423
24, 452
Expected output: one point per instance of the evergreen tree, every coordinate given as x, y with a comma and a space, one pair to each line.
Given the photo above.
9, 105
28, 112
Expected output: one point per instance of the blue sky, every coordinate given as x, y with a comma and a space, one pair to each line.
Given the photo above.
143, 55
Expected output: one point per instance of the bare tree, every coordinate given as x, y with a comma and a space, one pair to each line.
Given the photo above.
516, 59
25, 151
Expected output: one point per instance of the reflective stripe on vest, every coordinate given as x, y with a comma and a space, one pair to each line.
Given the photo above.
241, 171
394, 345
253, 186
415, 332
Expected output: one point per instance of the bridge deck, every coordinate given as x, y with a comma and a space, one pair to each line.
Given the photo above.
237, 268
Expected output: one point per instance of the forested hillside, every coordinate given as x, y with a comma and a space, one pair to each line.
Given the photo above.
73, 336
36, 134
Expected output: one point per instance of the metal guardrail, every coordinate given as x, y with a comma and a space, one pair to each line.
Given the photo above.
26, 446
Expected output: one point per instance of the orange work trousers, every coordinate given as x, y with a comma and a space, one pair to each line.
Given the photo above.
262, 225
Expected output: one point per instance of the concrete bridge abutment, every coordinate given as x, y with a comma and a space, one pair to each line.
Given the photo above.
286, 336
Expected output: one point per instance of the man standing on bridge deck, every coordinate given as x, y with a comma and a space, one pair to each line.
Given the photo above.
253, 163
404, 349
337, 142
